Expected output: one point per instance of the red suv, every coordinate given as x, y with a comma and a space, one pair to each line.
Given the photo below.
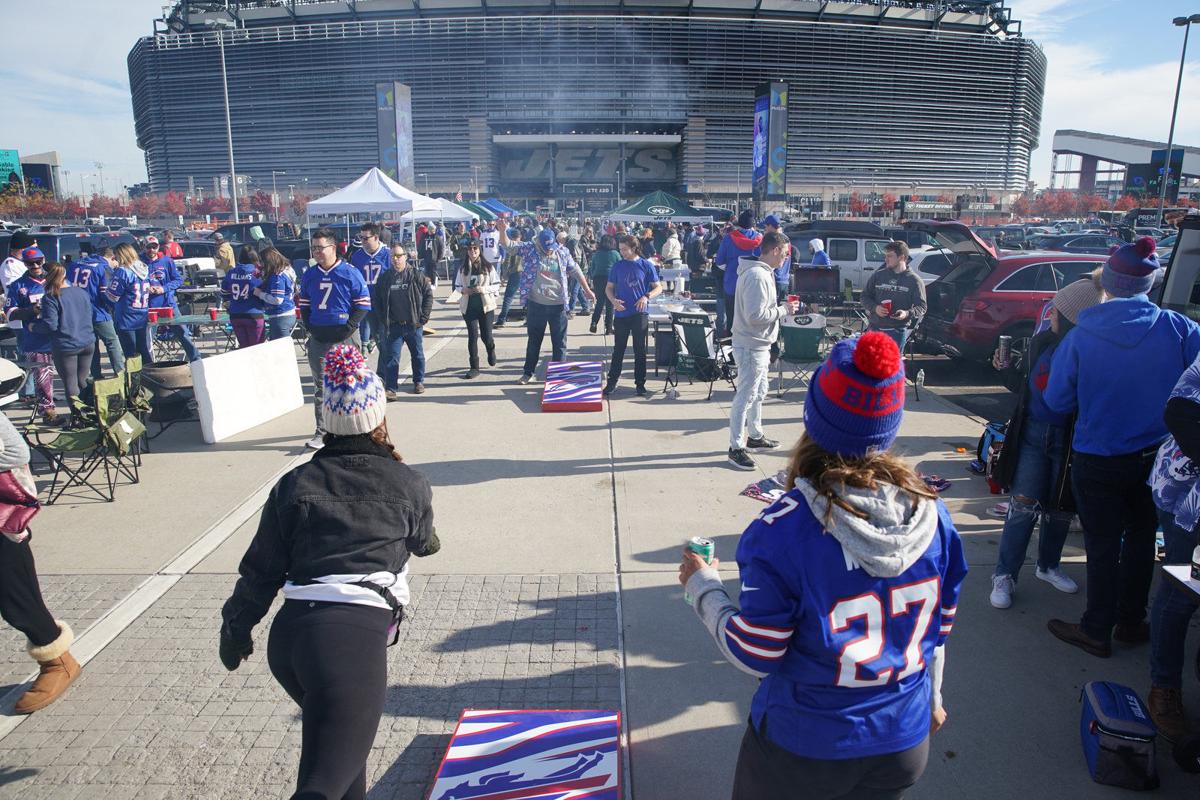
987, 294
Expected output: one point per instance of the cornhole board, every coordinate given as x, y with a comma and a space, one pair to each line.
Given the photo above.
573, 386
518, 754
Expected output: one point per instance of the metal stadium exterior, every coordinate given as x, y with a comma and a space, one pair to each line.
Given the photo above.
531, 99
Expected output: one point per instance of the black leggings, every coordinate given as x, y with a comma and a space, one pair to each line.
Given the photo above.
479, 326
74, 369
21, 603
766, 771
331, 658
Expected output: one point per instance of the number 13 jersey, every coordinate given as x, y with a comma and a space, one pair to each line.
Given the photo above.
844, 651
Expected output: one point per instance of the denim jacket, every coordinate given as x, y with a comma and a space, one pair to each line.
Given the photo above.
351, 510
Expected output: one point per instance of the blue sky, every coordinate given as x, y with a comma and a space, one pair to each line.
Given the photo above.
1112, 68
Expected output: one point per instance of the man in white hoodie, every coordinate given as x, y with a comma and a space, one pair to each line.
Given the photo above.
755, 329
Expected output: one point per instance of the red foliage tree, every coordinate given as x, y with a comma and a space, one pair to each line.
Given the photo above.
888, 201
212, 205
300, 203
146, 206
1022, 206
858, 206
174, 203
260, 202
1126, 202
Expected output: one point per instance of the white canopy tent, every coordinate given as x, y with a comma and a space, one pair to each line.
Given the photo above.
445, 211
374, 192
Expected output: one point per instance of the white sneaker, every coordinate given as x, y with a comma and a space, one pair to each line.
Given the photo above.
316, 442
1058, 579
1003, 587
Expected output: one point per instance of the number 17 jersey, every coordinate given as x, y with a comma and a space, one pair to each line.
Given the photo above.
330, 296
844, 652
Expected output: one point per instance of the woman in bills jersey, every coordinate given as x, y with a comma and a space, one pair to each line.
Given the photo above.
849, 587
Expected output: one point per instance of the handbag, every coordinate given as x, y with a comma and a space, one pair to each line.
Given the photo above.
18, 504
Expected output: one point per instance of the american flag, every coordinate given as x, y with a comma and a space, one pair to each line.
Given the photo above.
458, 196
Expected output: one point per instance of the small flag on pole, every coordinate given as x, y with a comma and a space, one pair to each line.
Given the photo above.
458, 196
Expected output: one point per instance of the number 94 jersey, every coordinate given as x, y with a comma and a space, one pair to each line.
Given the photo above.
844, 653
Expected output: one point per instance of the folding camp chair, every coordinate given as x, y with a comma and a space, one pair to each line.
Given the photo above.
138, 399
800, 349
121, 426
697, 353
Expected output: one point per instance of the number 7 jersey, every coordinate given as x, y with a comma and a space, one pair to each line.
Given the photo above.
330, 296
844, 653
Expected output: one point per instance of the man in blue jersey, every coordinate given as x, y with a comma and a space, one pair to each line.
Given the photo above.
849, 589
371, 260
90, 273
165, 278
632, 283
333, 302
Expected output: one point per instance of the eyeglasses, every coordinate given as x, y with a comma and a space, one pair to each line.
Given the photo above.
399, 255
316, 248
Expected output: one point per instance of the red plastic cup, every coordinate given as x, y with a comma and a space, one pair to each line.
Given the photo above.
152, 316
887, 305
166, 312
212, 314
297, 313
793, 298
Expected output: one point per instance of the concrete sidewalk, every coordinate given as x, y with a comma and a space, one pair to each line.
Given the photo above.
556, 587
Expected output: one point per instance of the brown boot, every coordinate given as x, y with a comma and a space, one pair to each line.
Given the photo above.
1166, 709
59, 670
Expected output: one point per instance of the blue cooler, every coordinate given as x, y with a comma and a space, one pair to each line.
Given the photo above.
1118, 736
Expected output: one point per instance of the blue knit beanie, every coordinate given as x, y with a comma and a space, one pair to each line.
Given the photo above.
856, 398
1130, 269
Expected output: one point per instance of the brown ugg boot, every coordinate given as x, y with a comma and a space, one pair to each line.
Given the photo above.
59, 670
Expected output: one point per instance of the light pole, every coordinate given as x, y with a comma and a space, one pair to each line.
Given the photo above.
475, 169
618, 188
1185, 23
274, 193
737, 204
224, 23
425, 175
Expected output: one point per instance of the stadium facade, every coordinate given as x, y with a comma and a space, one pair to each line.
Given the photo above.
531, 99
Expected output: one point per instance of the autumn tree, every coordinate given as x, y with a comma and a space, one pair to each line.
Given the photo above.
260, 202
174, 203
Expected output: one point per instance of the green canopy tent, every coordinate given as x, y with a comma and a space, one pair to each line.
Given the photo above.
483, 212
659, 207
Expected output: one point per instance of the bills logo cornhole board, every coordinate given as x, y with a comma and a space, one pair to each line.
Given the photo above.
573, 386
524, 754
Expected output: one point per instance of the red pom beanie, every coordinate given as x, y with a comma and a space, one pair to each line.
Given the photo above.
856, 398
1130, 269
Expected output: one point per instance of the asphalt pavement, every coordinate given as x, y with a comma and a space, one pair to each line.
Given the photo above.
974, 386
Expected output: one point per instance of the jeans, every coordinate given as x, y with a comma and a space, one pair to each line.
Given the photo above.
479, 326
134, 342
603, 304
74, 368
537, 317
1119, 520
511, 289
105, 332
575, 293
184, 335
1039, 463
280, 326
897, 335
394, 340
368, 322
248, 331
729, 304
1172, 610
638, 326
316, 363
754, 373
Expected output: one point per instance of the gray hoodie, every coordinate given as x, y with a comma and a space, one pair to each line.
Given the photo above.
756, 308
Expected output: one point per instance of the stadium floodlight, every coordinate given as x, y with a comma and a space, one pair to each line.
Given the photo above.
1185, 23
220, 25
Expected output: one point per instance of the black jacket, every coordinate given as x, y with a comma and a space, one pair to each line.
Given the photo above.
431, 249
351, 510
414, 289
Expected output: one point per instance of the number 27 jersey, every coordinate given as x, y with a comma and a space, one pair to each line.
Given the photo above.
845, 652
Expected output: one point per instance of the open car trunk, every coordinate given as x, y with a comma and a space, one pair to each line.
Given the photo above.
972, 259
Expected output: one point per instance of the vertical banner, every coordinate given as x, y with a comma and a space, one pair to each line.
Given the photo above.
385, 107
777, 126
758, 173
405, 172
10, 168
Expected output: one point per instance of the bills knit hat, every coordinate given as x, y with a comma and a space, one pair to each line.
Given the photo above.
353, 400
856, 398
1130, 269
1075, 297
20, 241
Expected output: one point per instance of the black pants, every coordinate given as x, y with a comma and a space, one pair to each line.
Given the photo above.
431, 271
1119, 520
331, 658
603, 304
766, 771
479, 326
74, 369
21, 603
637, 326
538, 317
729, 304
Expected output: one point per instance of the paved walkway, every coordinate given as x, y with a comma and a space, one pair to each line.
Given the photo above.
555, 588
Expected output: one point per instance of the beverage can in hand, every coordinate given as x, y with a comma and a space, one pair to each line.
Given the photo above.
705, 548
1004, 350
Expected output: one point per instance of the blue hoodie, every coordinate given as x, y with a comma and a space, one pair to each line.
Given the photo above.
1117, 368
740, 242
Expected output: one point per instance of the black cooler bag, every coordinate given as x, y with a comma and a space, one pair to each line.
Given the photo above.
1118, 736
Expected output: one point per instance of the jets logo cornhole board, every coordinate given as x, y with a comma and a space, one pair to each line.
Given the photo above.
573, 386
524, 754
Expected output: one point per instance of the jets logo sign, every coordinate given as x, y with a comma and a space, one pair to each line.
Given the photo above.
661, 211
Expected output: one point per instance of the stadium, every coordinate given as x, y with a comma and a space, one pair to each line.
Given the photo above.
545, 101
